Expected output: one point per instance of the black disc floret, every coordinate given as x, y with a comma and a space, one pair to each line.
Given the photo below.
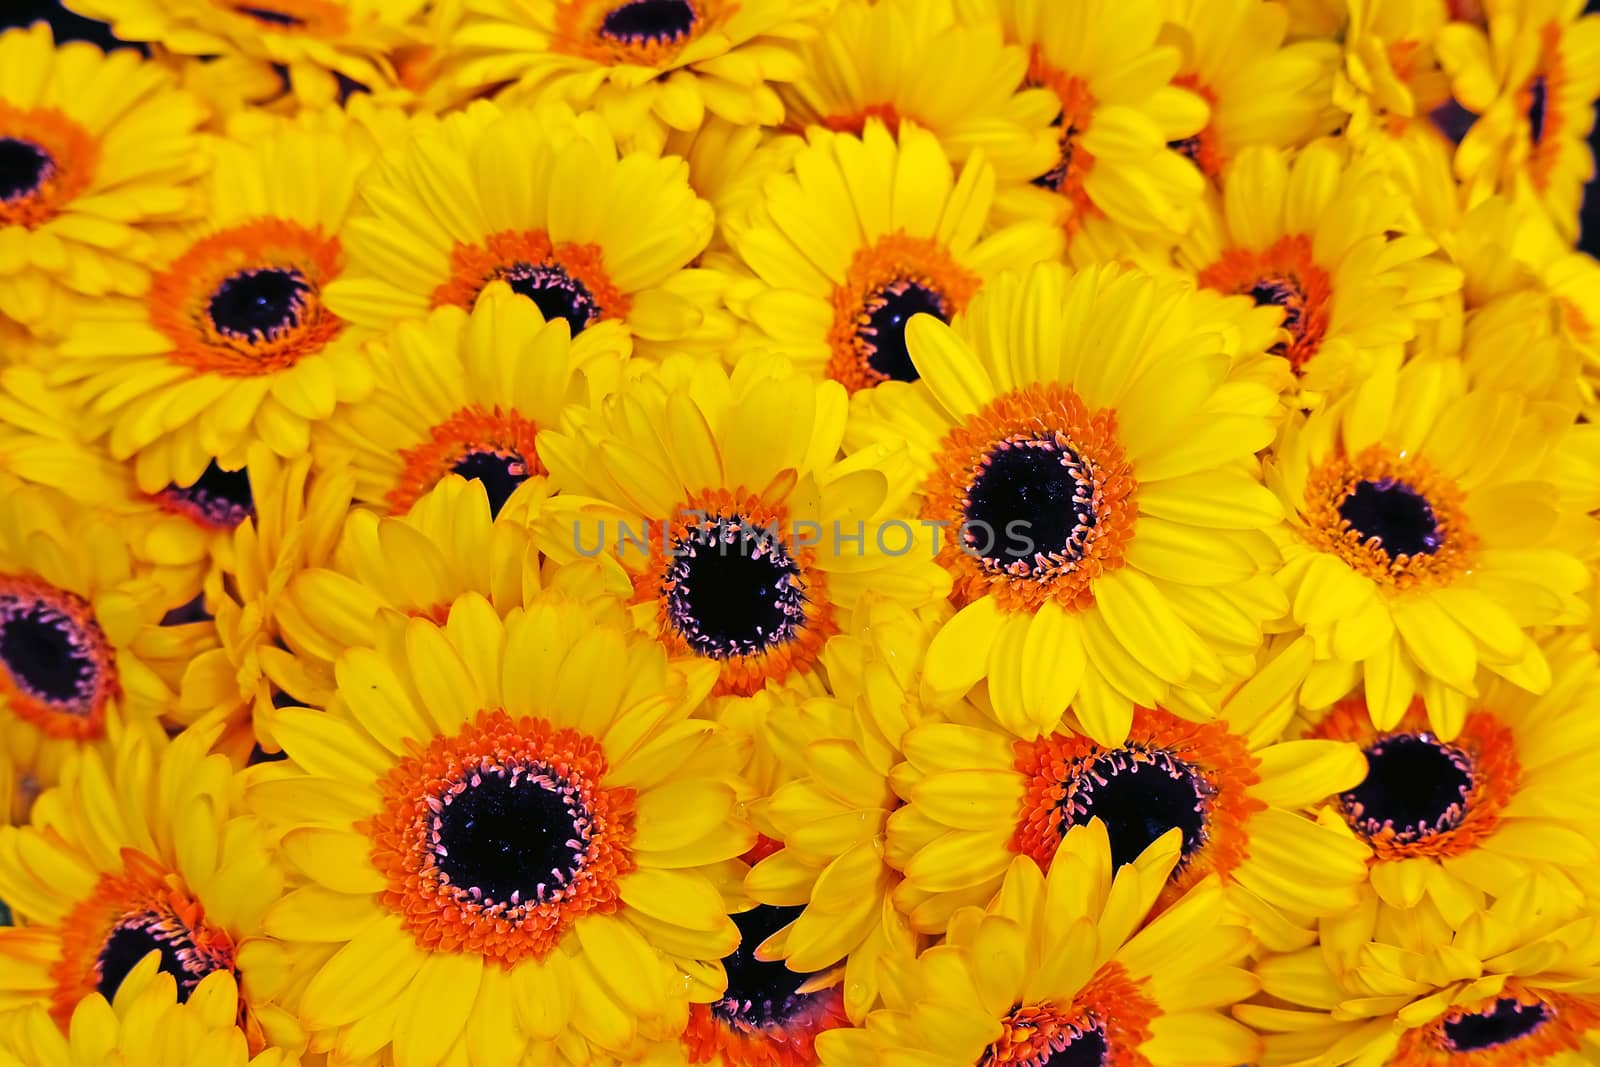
732, 588
24, 167
260, 305
48, 653
1509, 1020
1398, 517
1416, 786
761, 992
1030, 507
882, 328
644, 21
1140, 793
498, 470
512, 836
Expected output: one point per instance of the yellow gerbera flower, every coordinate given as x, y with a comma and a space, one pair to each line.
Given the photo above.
512, 845
417, 564
1054, 970
1532, 80
1116, 111
872, 62
311, 40
294, 527
1236, 794
747, 541
828, 861
1510, 986
728, 168
82, 645
646, 66
1311, 233
1523, 286
233, 343
1390, 82
863, 234
43, 440
97, 149
1453, 820
1425, 539
768, 1016
144, 1025
593, 237
1087, 462
1260, 89
470, 394
143, 851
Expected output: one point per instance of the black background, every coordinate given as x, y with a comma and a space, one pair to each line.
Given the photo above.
69, 26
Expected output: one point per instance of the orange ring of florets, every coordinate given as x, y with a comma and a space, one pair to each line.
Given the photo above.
447, 918
1545, 153
893, 258
317, 18
745, 674
73, 155
1051, 765
856, 121
180, 297
1077, 112
1326, 530
46, 715
1040, 409
1570, 1018
1111, 1000
707, 1038
1202, 149
578, 33
468, 429
144, 888
1289, 261
472, 267
1496, 775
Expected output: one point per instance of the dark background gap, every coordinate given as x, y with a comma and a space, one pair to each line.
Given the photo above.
74, 27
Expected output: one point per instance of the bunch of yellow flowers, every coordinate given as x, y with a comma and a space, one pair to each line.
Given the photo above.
765, 533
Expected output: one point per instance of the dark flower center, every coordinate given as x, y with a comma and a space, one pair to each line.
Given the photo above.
259, 305
649, 20
219, 498
1284, 293
1054, 178
1078, 1048
5, 915
732, 589
1031, 506
1538, 101
499, 471
883, 330
23, 167
1398, 517
1416, 785
1139, 793
511, 835
142, 933
269, 16
1502, 1024
49, 654
557, 294
1189, 148
760, 993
